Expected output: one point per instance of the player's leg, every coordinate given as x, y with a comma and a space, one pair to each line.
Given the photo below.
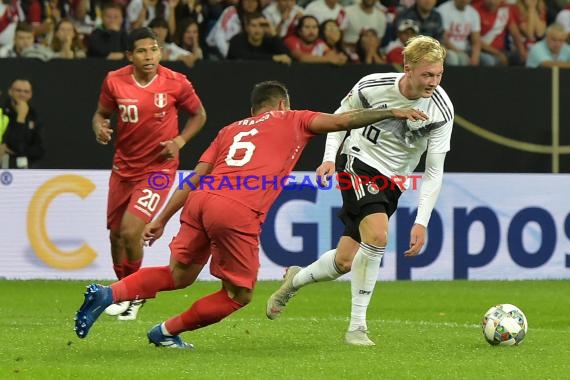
367, 204
329, 266
235, 260
117, 202
185, 265
365, 269
144, 203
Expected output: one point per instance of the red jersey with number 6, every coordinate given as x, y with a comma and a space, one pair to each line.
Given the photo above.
253, 157
147, 116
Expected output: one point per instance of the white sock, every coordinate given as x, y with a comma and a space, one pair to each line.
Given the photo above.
365, 268
164, 330
324, 269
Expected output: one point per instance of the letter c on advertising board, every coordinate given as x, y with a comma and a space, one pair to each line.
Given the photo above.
44, 248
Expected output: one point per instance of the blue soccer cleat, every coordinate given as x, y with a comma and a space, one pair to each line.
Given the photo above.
97, 298
156, 337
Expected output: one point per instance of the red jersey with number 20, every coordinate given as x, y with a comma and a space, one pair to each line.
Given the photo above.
147, 115
252, 157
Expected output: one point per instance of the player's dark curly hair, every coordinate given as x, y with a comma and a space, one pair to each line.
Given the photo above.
139, 34
267, 93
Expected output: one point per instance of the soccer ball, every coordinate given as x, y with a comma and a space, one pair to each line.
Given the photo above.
504, 325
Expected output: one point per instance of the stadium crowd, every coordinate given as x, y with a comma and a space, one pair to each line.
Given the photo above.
339, 32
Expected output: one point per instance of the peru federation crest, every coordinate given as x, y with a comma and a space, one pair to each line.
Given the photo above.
160, 100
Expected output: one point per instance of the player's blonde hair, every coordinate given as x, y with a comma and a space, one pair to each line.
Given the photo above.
423, 48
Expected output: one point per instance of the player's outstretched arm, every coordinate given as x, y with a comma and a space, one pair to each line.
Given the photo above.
153, 231
325, 123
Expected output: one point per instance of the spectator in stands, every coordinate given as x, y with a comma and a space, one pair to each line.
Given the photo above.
83, 17
254, 44
530, 16
326, 10
170, 51
24, 46
331, 34
21, 144
66, 42
360, 16
368, 48
553, 51
429, 19
462, 27
229, 24
563, 18
110, 39
188, 37
284, 15
496, 21
406, 30
10, 13
306, 46
141, 12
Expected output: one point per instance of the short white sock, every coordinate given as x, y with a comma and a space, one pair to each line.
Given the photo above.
365, 268
164, 330
324, 269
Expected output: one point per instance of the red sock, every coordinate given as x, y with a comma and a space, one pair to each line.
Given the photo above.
131, 266
119, 270
206, 311
143, 284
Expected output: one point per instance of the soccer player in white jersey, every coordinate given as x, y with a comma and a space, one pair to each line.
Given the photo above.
389, 148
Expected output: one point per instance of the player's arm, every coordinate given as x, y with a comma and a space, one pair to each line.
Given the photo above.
429, 192
325, 123
154, 229
193, 125
102, 125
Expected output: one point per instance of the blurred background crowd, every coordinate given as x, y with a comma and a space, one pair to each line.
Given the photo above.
339, 32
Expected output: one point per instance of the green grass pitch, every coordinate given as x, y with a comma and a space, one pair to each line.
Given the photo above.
423, 330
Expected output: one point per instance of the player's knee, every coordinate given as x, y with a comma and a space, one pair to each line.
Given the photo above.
377, 239
130, 235
115, 238
243, 296
344, 262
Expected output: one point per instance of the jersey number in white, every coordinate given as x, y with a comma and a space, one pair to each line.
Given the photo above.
238, 144
149, 201
129, 114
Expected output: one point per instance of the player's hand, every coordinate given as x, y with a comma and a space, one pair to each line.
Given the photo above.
325, 172
417, 240
170, 149
103, 132
409, 114
152, 232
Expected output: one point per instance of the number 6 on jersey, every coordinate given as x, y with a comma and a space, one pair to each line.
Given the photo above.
238, 144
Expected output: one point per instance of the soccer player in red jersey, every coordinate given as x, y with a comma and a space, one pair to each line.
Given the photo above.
222, 219
146, 97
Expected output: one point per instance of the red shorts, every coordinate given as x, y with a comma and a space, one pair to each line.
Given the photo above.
212, 225
138, 197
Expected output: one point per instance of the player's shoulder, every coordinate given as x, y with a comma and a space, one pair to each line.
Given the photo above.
170, 74
443, 103
378, 80
123, 72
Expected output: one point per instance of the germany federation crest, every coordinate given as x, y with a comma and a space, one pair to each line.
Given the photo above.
160, 100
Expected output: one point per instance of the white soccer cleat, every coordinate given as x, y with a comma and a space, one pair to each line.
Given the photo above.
358, 337
278, 300
117, 308
131, 313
